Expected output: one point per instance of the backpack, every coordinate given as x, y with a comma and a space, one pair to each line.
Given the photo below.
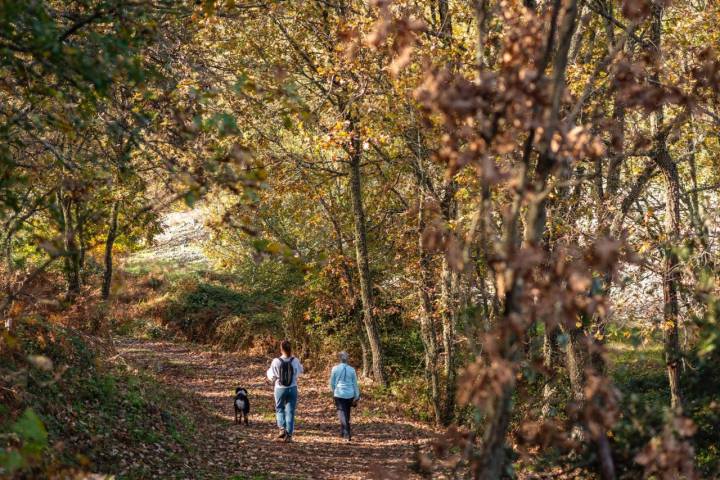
286, 372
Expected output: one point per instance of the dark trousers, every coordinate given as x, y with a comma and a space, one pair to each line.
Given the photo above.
343, 406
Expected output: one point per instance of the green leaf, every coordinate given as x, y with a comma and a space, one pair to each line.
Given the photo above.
190, 198
708, 345
240, 83
31, 429
260, 244
10, 460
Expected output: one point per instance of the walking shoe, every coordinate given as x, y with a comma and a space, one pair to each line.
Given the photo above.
288, 438
282, 434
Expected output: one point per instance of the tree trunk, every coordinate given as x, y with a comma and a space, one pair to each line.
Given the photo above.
671, 281
428, 328
550, 353
427, 324
363, 265
448, 310
491, 466
109, 242
447, 315
671, 273
617, 148
7, 251
72, 257
365, 348
493, 459
445, 20
616, 155
575, 362
576, 42
481, 16
80, 228
354, 301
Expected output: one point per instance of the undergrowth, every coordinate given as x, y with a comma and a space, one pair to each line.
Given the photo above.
226, 310
66, 411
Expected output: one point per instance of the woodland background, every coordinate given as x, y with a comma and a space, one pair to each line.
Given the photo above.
506, 211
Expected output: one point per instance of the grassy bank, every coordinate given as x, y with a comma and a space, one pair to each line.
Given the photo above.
69, 407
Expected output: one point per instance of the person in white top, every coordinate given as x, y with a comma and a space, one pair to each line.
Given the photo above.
283, 373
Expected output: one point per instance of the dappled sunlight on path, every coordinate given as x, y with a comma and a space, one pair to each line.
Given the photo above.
382, 446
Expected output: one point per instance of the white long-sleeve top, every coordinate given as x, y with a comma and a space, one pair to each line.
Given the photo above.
273, 373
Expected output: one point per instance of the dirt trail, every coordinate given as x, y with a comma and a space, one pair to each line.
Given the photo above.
382, 447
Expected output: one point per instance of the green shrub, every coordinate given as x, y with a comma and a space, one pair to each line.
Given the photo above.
231, 310
32, 438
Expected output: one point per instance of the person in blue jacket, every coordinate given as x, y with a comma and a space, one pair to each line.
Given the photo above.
344, 386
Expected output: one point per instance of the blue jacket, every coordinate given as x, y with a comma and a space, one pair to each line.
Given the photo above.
343, 382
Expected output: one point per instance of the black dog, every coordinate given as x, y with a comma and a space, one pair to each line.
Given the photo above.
242, 405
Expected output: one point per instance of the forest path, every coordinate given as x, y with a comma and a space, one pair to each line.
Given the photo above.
383, 445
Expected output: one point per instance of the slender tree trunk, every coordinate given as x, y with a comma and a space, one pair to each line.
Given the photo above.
671, 273
447, 316
80, 228
695, 207
365, 348
488, 308
445, 20
109, 242
448, 309
7, 251
617, 148
616, 157
550, 354
427, 324
428, 329
363, 265
576, 42
357, 315
493, 451
671, 280
72, 257
493, 458
355, 303
574, 360
481, 16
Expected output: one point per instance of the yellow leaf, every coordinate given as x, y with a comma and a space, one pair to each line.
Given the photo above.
644, 247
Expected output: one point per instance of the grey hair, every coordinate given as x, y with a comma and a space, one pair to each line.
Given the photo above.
344, 357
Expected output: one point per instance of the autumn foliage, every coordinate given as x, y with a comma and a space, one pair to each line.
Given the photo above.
505, 210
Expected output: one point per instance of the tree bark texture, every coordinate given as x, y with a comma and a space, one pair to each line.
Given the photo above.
493, 459
109, 242
72, 255
427, 324
671, 271
363, 265
448, 308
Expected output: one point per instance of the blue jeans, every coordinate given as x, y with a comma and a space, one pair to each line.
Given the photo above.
285, 403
